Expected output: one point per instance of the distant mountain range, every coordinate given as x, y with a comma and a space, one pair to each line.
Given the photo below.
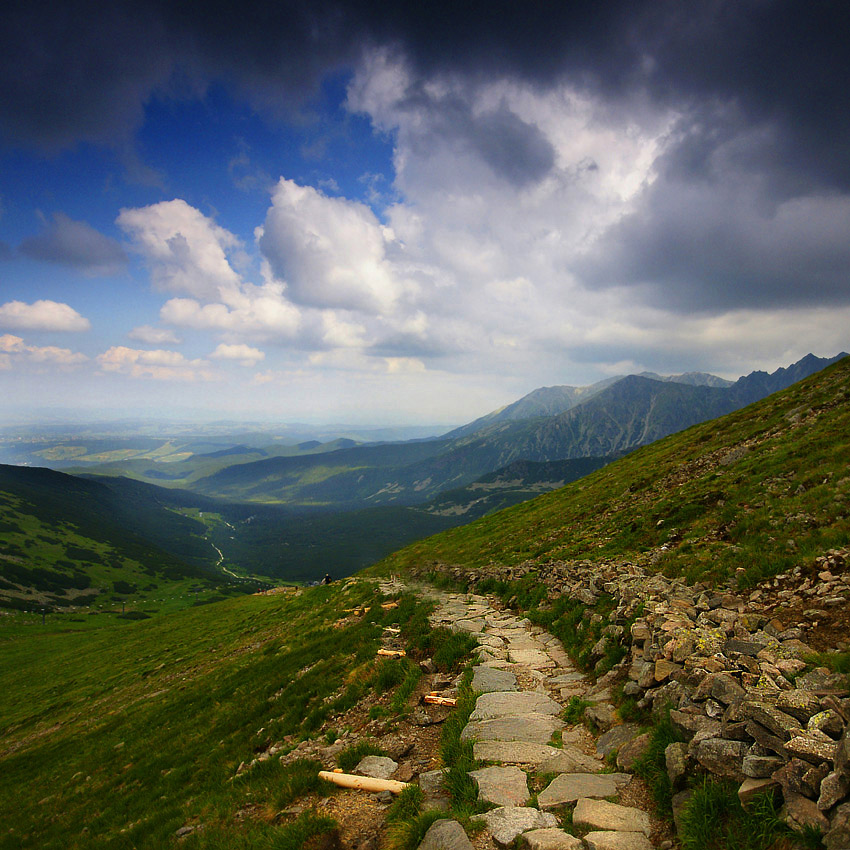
166, 510
600, 421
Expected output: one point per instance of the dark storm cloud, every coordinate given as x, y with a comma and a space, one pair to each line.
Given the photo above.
748, 204
72, 69
76, 244
515, 150
728, 223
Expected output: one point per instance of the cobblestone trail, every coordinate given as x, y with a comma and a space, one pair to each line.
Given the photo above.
526, 679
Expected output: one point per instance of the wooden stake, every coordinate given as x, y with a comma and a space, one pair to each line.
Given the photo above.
392, 653
363, 783
432, 699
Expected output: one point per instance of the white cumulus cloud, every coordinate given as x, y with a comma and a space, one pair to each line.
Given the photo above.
157, 364
244, 354
331, 252
187, 251
42, 315
15, 350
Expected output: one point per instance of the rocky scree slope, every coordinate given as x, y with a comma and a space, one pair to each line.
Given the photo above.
736, 673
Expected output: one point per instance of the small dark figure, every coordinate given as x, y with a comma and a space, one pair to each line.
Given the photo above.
327, 579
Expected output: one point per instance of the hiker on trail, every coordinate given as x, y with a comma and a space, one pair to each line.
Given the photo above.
327, 579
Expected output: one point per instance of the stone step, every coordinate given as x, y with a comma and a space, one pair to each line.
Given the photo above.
507, 704
536, 728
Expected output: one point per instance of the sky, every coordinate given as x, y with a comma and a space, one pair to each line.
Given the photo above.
412, 213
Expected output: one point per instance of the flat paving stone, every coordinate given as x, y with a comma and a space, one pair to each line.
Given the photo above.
471, 626
515, 752
507, 822
502, 786
536, 728
602, 815
566, 679
551, 839
617, 841
445, 835
535, 658
507, 704
571, 760
488, 679
569, 787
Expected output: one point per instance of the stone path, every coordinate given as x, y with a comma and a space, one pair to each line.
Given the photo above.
526, 678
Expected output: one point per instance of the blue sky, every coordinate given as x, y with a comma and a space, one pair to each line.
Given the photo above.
329, 212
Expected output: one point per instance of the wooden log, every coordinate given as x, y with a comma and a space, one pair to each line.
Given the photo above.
363, 783
392, 653
432, 699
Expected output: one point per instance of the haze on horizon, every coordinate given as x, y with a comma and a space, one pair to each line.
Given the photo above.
331, 211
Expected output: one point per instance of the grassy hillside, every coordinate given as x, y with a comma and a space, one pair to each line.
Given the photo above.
66, 541
120, 738
747, 494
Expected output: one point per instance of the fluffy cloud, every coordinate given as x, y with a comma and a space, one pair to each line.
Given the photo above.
331, 252
243, 354
42, 315
154, 336
187, 252
158, 364
78, 245
14, 349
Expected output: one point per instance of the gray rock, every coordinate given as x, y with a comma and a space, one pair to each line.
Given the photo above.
505, 704
445, 835
812, 749
752, 788
676, 761
378, 767
431, 782
515, 752
551, 839
665, 669
765, 739
602, 715
507, 822
821, 679
689, 724
571, 760
721, 757
617, 841
488, 679
535, 728
614, 738
782, 725
632, 751
800, 777
798, 703
502, 786
569, 787
833, 789
601, 815
829, 722
760, 767
725, 689
742, 647
838, 836
800, 812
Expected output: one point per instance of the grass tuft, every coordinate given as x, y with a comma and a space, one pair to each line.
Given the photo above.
715, 820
